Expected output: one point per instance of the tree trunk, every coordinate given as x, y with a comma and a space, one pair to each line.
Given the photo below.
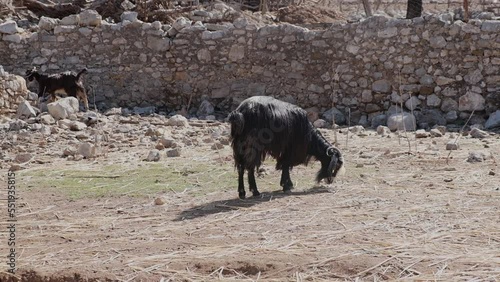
414, 9
368, 9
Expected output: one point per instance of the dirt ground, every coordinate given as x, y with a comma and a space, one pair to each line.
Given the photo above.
417, 213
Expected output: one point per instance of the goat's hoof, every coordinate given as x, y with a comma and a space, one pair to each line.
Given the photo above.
256, 193
287, 190
242, 195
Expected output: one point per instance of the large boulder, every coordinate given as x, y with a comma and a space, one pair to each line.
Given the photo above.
62, 108
401, 121
493, 121
25, 110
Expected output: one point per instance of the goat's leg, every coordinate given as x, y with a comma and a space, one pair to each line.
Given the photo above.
241, 184
286, 182
251, 182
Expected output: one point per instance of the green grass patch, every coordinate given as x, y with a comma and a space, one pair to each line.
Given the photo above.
197, 178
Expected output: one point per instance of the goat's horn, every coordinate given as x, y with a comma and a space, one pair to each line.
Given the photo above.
330, 151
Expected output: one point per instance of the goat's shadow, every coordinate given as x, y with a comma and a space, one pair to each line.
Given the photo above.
228, 205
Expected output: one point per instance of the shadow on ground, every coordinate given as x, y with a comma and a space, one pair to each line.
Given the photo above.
228, 205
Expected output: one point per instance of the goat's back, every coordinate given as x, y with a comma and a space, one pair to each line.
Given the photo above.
271, 127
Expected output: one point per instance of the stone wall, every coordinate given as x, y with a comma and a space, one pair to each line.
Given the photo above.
433, 65
12, 90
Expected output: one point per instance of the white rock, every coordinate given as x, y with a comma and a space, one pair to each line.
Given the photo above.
9, 27
421, 133
320, 123
178, 120
77, 126
46, 23
452, 146
63, 108
400, 121
478, 133
129, 16
25, 110
90, 18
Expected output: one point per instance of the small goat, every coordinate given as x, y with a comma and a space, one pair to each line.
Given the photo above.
263, 125
67, 83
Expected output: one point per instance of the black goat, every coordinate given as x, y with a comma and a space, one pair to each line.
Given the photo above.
67, 82
263, 125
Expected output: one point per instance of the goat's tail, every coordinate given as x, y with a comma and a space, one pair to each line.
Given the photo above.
80, 73
237, 122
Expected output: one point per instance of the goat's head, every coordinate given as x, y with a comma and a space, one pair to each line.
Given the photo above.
31, 74
331, 164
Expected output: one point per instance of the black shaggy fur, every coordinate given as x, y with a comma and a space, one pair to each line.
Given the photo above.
68, 82
262, 126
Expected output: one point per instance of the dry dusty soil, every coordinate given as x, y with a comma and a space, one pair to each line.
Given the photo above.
413, 213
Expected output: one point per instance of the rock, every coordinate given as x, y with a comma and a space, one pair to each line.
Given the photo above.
412, 103
129, 16
206, 108
45, 130
312, 114
379, 120
452, 146
382, 86
493, 121
25, 110
69, 151
153, 156
471, 102
356, 129
47, 119
451, 116
124, 128
174, 153
478, 133
113, 111
87, 150
477, 157
401, 121
23, 158
159, 201
383, 130
181, 23
90, 18
77, 126
210, 117
334, 114
17, 125
321, 123
63, 108
46, 23
144, 110
421, 133
167, 142
436, 132
89, 118
16, 167
217, 146
429, 118
9, 27
177, 120
159, 146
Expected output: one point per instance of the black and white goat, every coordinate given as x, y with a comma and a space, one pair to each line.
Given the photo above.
67, 83
263, 125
